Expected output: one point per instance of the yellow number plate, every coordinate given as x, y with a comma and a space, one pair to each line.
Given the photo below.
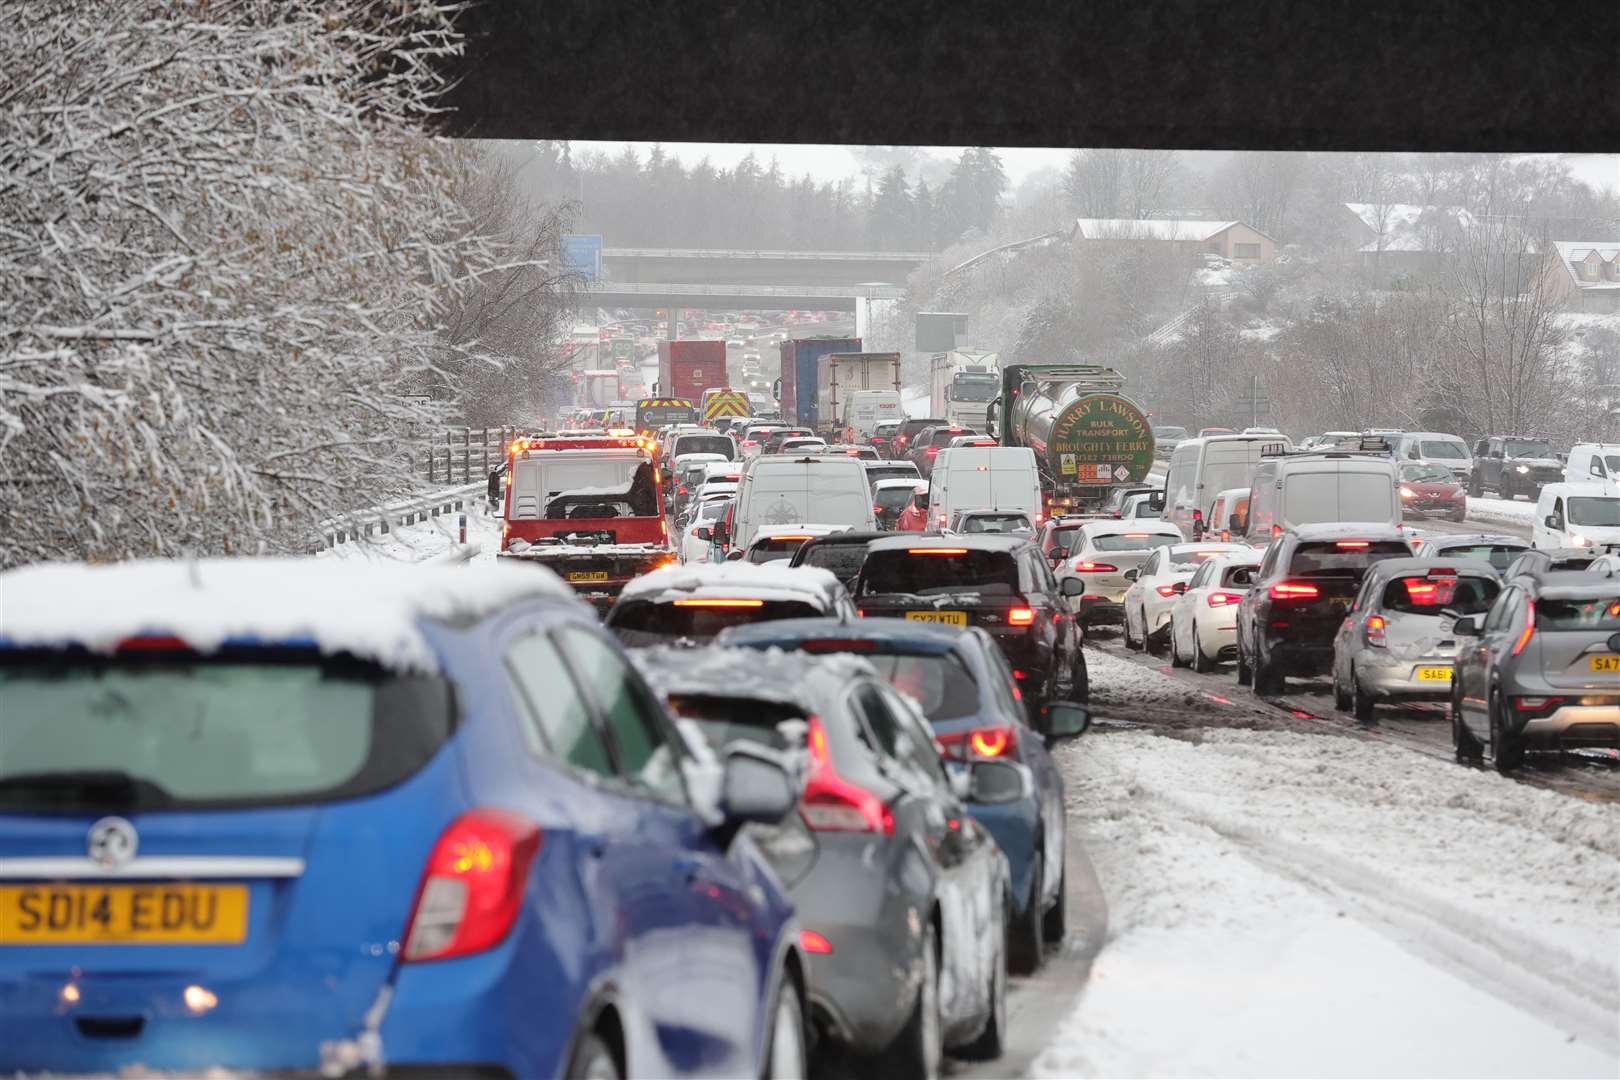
1434, 674
949, 618
1610, 663
123, 914
587, 575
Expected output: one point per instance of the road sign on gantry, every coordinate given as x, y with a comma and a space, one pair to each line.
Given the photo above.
582, 254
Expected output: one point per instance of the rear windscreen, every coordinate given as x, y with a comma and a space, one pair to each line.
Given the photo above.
874, 473
1351, 556
725, 720
1423, 595
1063, 539
774, 549
995, 523
942, 685
1133, 541
1498, 555
643, 622
1310, 498
177, 731
1600, 613
844, 561
892, 498
991, 572
705, 444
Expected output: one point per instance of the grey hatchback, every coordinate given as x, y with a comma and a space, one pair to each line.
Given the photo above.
1540, 671
903, 896
1397, 642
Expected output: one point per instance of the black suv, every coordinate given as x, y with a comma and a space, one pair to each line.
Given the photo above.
1513, 465
839, 553
1301, 594
908, 431
1000, 583
927, 443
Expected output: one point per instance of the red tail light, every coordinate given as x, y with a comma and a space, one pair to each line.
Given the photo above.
932, 451
681, 490
1165, 590
473, 885
1294, 590
1021, 616
993, 742
1529, 627
1537, 704
812, 942
1223, 599
936, 551
1095, 568
1375, 631
1351, 544
833, 804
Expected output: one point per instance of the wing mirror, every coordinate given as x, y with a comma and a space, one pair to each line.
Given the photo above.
734, 556
705, 533
1129, 575
1466, 626
1553, 521
1180, 587
1073, 586
995, 782
1064, 720
755, 787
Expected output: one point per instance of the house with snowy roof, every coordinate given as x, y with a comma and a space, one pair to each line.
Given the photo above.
1403, 238
1586, 276
1243, 244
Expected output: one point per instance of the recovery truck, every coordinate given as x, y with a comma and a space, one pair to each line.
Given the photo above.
961, 383
840, 377
1087, 436
795, 390
590, 508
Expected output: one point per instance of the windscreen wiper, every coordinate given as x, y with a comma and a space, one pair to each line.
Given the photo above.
70, 788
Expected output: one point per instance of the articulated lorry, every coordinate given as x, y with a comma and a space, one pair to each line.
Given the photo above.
796, 388
961, 384
854, 390
1087, 436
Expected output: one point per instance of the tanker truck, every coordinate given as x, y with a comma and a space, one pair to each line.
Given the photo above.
1088, 437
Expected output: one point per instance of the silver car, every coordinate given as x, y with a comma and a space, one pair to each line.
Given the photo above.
1397, 642
1541, 670
1495, 548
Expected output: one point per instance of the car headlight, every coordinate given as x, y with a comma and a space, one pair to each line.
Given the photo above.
1523, 468
1407, 493
1577, 540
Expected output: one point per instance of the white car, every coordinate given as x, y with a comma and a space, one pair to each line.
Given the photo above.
1105, 554
1203, 620
1010, 522
803, 444
695, 548
1146, 505
775, 542
1159, 583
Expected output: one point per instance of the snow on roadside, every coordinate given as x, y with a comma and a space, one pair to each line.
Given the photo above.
1502, 511
1301, 904
425, 540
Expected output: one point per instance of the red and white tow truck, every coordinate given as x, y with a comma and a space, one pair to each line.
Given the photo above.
589, 507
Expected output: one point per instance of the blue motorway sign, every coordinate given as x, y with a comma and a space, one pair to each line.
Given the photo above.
582, 254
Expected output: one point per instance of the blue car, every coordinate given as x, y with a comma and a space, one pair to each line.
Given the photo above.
966, 689
290, 815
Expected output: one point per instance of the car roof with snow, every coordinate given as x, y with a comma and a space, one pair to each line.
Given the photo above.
1451, 540
369, 611
1116, 526
768, 581
1574, 585
808, 528
1348, 530
716, 671
907, 482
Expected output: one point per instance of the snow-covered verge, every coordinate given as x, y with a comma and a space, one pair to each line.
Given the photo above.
425, 540
1283, 904
1502, 511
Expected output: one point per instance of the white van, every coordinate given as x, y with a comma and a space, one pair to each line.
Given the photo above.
1594, 463
1576, 515
1204, 467
823, 489
983, 478
1320, 487
864, 410
1435, 448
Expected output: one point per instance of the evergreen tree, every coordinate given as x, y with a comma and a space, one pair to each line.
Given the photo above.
889, 223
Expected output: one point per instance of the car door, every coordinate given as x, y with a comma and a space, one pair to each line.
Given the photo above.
1473, 664
707, 956
1050, 605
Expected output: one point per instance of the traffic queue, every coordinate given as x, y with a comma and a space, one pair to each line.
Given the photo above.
725, 764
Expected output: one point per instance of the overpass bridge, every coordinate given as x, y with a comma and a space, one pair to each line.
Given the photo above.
720, 297
718, 266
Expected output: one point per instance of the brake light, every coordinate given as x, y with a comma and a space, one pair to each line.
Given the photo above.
1294, 590
1165, 590
812, 942
801, 539
681, 490
152, 643
749, 442
1095, 568
1222, 599
833, 645
473, 885
832, 804
876, 509
993, 742
936, 551
1375, 631
1529, 627
932, 451
1039, 517
1135, 536
1351, 544
1021, 616
1537, 703
719, 602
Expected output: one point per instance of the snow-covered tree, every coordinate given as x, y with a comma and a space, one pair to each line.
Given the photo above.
228, 251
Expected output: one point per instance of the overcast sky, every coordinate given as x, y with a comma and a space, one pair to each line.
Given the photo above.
837, 162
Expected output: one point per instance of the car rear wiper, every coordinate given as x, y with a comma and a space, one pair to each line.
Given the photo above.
65, 788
